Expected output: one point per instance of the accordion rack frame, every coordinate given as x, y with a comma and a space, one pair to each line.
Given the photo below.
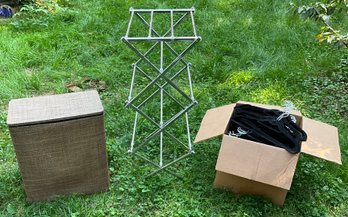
164, 41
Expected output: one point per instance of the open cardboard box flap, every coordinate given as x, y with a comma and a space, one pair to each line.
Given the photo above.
214, 122
322, 139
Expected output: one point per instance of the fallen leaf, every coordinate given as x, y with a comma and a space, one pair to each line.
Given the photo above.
73, 88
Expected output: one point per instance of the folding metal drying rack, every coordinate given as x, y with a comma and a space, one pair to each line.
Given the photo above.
164, 41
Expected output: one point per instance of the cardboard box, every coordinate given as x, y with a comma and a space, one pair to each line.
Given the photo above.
59, 141
249, 167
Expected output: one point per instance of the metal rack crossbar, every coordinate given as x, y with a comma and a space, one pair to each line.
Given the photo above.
162, 74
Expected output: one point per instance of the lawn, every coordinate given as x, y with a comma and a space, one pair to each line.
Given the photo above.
251, 50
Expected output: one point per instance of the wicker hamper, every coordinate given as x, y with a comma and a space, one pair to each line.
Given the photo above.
59, 141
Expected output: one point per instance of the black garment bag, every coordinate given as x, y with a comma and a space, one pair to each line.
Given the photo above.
268, 126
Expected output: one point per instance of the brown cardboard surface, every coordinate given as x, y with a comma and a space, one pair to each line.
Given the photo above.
241, 185
249, 167
214, 122
322, 141
255, 161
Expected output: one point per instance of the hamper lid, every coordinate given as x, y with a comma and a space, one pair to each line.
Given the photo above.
53, 108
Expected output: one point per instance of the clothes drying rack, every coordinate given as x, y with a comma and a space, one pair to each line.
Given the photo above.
159, 84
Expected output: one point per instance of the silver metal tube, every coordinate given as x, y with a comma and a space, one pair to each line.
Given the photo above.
177, 140
171, 163
172, 98
193, 9
161, 61
174, 52
188, 132
134, 131
177, 88
172, 23
146, 159
172, 64
151, 21
182, 38
130, 23
165, 125
161, 10
154, 93
157, 34
190, 82
132, 83
164, 85
147, 99
179, 114
148, 25
140, 54
163, 73
143, 114
147, 52
193, 24
161, 135
154, 122
153, 163
175, 76
159, 88
176, 23
169, 30
181, 55
147, 138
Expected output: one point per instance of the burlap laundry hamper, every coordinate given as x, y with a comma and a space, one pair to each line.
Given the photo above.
59, 142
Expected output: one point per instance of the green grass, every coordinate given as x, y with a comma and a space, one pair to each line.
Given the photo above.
251, 50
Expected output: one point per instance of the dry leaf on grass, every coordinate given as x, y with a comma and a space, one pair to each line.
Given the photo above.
73, 88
